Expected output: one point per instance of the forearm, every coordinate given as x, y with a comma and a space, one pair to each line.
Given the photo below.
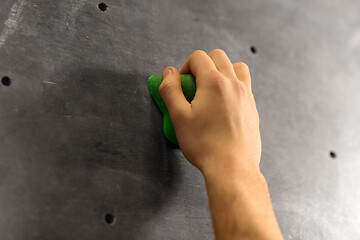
240, 204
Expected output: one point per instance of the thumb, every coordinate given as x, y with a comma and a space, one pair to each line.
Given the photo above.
171, 92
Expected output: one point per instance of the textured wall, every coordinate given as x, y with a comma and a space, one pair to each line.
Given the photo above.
80, 136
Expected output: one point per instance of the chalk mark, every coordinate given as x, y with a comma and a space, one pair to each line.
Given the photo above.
49, 82
12, 21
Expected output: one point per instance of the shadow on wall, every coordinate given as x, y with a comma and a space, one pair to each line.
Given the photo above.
99, 149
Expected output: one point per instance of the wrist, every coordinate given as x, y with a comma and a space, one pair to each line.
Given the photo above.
231, 166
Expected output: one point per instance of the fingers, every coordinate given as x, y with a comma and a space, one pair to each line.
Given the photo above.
198, 63
243, 73
222, 63
171, 92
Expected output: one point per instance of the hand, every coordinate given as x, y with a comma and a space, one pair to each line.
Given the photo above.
220, 127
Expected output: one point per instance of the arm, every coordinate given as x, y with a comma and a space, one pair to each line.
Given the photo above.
218, 133
240, 204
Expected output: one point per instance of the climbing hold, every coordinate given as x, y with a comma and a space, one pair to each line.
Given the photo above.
188, 85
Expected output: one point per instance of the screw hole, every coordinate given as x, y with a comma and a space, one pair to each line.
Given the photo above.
332, 154
102, 7
109, 218
253, 50
6, 81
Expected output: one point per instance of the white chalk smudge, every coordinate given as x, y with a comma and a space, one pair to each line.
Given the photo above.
12, 21
49, 82
71, 16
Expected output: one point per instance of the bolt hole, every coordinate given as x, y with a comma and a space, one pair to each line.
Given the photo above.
332, 154
6, 81
253, 50
109, 218
102, 7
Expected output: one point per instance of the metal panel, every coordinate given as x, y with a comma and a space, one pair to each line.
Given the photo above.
80, 136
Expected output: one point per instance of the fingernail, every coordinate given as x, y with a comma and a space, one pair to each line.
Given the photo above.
167, 72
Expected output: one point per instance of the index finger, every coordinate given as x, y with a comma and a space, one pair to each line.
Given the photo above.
198, 63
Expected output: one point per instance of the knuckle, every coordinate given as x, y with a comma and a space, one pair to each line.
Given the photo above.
241, 89
165, 87
198, 52
169, 67
242, 66
173, 69
217, 82
217, 51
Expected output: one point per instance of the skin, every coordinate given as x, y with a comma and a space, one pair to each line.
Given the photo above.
219, 134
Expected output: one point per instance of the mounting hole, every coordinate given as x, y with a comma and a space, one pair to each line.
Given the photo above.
109, 218
6, 81
102, 6
332, 154
253, 50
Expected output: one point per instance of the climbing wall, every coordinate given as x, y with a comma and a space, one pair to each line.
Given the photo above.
82, 152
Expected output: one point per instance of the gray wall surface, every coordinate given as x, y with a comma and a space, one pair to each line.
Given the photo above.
80, 136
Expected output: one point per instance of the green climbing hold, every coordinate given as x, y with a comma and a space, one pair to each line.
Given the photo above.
188, 85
